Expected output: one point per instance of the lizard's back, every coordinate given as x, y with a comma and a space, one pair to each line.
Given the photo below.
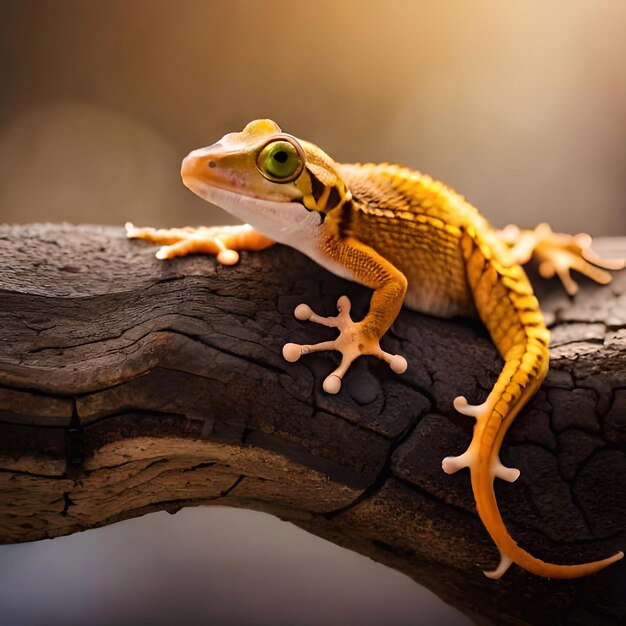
416, 223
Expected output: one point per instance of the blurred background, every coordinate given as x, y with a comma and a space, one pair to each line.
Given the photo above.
518, 104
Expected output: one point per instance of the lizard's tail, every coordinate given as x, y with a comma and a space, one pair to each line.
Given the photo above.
507, 306
510, 552
521, 376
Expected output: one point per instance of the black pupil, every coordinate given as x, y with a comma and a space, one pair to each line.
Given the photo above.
280, 156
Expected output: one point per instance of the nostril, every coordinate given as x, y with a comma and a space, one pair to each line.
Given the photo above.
212, 164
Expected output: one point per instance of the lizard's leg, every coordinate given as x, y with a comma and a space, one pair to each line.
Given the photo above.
505, 302
221, 241
558, 253
357, 338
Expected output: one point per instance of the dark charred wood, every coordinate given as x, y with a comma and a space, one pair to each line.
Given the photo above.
130, 385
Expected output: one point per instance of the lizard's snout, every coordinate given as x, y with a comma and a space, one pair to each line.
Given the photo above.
206, 166
192, 166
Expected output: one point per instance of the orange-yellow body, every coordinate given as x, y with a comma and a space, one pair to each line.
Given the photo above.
413, 241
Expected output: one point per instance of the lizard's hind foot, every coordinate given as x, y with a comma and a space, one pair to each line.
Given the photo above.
452, 464
558, 254
353, 341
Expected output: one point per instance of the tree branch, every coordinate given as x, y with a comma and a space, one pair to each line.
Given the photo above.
130, 385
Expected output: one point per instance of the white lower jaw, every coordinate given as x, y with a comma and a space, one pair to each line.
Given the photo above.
285, 222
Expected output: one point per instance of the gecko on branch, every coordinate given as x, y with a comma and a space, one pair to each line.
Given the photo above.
414, 242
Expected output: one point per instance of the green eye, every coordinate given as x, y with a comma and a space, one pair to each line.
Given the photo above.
280, 161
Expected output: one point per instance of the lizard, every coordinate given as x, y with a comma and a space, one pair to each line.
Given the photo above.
414, 242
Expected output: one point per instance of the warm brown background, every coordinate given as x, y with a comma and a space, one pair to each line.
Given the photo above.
519, 104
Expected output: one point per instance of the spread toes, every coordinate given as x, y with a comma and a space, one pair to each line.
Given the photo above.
353, 341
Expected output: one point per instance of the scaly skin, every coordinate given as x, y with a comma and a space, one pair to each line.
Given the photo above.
414, 242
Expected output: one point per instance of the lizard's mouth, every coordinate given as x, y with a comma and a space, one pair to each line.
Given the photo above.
285, 222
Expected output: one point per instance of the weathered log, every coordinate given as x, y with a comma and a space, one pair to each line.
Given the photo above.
130, 385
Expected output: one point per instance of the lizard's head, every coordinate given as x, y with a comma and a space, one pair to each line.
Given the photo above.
262, 172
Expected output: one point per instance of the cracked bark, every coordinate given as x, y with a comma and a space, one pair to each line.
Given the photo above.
129, 385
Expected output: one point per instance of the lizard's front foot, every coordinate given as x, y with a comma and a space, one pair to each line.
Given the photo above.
221, 241
353, 341
558, 254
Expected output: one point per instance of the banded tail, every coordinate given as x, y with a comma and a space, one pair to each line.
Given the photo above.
506, 304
